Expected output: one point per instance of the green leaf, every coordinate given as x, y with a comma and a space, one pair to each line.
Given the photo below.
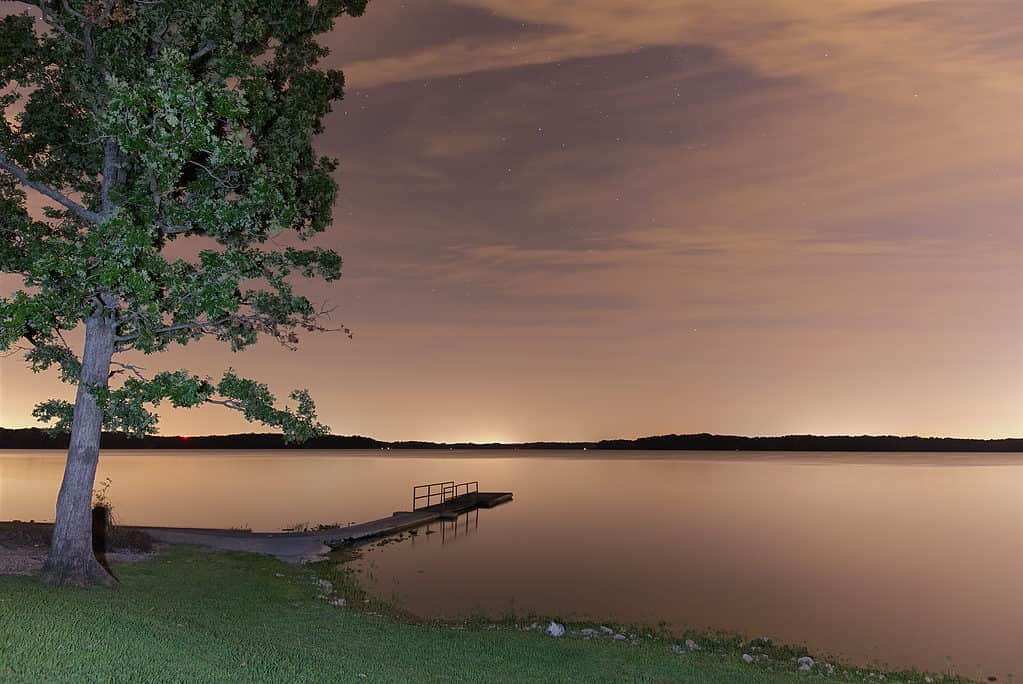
219, 147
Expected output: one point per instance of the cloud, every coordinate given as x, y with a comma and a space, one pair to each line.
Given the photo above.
849, 45
670, 211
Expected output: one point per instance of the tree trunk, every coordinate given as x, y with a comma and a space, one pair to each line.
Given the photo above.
71, 560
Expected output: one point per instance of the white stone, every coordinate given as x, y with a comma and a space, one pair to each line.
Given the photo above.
556, 629
747, 658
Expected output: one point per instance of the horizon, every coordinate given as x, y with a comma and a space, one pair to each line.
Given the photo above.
571, 222
579, 441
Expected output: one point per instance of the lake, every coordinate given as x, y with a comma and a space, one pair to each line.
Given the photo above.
903, 559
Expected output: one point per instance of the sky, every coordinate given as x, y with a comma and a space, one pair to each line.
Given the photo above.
583, 219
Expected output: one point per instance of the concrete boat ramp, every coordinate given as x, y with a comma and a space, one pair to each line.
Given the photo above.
297, 547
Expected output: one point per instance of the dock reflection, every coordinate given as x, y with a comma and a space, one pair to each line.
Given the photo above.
460, 527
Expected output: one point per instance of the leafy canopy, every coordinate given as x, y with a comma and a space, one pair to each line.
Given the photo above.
145, 122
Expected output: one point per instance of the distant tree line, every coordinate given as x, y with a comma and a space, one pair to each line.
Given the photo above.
34, 438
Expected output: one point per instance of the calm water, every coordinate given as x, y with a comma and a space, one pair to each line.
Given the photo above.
906, 559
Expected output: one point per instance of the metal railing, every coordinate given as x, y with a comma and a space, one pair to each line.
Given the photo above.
427, 492
442, 491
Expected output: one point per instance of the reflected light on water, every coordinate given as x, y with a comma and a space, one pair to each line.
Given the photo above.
906, 559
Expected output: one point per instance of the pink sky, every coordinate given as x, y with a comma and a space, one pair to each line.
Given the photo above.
585, 219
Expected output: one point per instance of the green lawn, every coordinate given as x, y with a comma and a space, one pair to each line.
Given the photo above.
192, 616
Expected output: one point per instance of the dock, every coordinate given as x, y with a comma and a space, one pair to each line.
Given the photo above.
430, 503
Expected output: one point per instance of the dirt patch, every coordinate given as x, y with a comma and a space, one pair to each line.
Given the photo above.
17, 534
28, 561
21, 561
23, 546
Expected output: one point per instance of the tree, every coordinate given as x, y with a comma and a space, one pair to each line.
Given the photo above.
143, 123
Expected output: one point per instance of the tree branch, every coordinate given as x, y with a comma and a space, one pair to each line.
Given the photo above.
128, 368
203, 51
176, 230
104, 16
12, 350
111, 170
281, 330
238, 406
221, 182
51, 20
62, 199
71, 11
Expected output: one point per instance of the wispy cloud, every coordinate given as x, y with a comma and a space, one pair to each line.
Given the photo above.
674, 214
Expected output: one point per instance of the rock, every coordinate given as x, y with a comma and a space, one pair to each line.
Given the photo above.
805, 663
692, 645
278, 574
339, 602
588, 632
325, 585
606, 630
677, 648
747, 658
619, 637
556, 629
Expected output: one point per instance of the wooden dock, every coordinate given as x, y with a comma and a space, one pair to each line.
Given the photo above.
400, 521
303, 546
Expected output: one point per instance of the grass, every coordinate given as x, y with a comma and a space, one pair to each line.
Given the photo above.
192, 616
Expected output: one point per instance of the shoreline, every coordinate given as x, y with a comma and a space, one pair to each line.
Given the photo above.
329, 588
764, 651
36, 438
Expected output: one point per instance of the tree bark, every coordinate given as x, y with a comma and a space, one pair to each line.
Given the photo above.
71, 561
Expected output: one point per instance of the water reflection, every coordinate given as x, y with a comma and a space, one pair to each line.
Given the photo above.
905, 559
450, 529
